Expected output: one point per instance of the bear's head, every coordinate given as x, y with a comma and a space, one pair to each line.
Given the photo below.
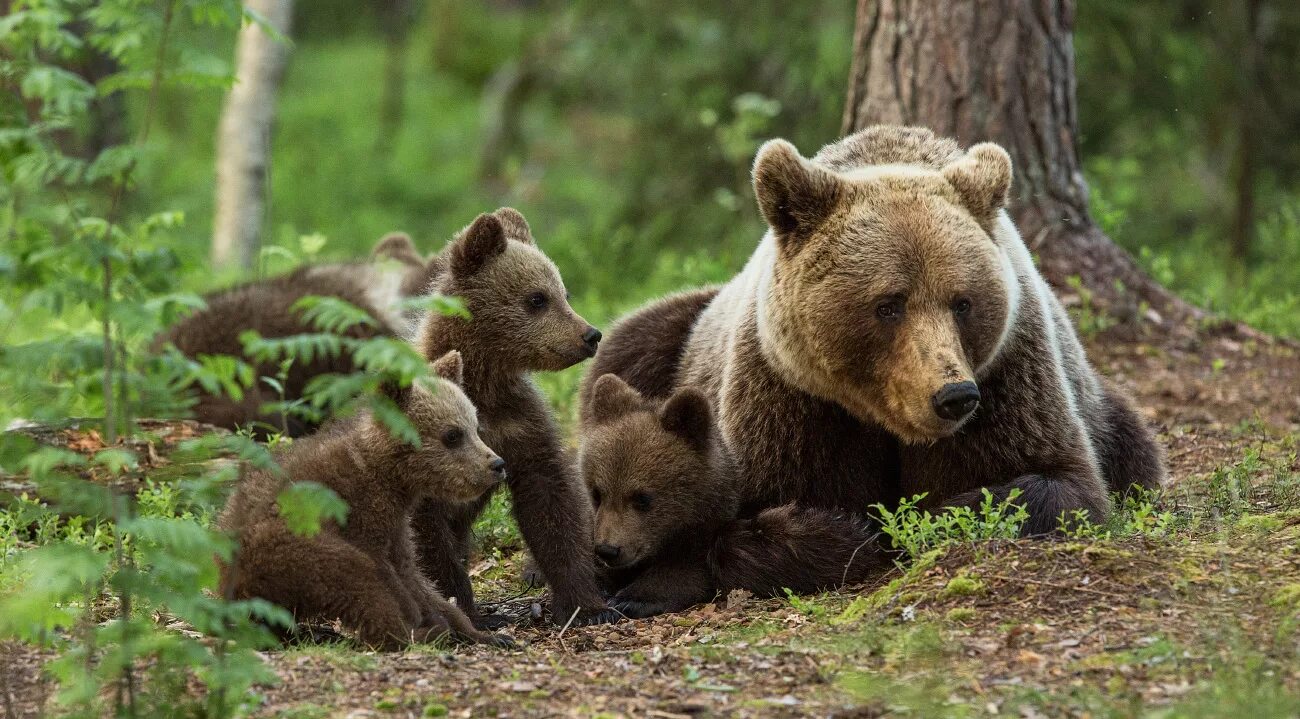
416, 272
654, 469
887, 292
520, 313
450, 462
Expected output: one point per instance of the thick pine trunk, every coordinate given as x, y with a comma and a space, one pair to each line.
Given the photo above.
1000, 70
244, 136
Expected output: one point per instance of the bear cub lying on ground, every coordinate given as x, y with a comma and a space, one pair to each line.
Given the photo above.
365, 572
665, 493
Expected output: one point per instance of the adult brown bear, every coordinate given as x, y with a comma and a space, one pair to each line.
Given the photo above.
891, 336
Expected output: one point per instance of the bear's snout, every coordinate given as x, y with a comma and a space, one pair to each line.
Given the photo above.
609, 553
498, 468
956, 400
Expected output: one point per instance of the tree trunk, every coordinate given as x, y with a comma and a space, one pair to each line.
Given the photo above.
395, 22
244, 136
1249, 109
1001, 70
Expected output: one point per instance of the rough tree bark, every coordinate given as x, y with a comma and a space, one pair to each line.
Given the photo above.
1001, 70
244, 136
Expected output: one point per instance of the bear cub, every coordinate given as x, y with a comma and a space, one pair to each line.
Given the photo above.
667, 532
395, 271
364, 572
520, 322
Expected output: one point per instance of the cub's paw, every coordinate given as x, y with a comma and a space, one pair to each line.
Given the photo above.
491, 622
634, 608
532, 574
500, 641
586, 616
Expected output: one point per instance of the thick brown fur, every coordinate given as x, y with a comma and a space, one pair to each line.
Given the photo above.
644, 348
395, 271
364, 572
667, 528
521, 322
892, 273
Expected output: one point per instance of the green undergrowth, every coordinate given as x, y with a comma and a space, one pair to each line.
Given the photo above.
1215, 552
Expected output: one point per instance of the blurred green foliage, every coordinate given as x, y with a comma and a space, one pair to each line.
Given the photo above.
625, 133
1175, 100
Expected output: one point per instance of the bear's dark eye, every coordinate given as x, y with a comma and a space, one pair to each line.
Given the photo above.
537, 301
889, 310
641, 502
452, 438
595, 496
961, 306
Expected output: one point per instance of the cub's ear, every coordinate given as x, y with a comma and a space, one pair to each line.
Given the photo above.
484, 239
612, 398
397, 246
687, 415
394, 390
982, 180
450, 367
794, 194
515, 224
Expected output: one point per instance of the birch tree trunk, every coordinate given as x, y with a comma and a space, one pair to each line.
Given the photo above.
1001, 70
244, 136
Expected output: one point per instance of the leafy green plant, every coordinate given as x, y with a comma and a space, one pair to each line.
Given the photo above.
1138, 512
918, 531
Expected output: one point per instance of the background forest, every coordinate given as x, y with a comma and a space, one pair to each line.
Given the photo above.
624, 132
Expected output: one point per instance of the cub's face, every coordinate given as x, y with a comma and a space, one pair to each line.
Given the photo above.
888, 293
650, 468
453, 461
519, 306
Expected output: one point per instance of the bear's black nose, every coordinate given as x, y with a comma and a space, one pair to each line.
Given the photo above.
608, 552
956, 400
591, 337
498, 466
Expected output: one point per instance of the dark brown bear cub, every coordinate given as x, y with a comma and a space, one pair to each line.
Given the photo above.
364, 572
395, 271
667, 530
520, 322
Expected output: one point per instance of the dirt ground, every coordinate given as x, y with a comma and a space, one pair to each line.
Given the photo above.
1199, 622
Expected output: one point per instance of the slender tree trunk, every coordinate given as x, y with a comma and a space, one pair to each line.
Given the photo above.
1000, 70
1248, 109
395, 22
244, 136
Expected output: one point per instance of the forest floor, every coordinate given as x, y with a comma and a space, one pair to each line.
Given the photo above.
1197, 616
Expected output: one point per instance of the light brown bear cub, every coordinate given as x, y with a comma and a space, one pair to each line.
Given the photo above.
520, 322
395, 271
365, 572
667, 528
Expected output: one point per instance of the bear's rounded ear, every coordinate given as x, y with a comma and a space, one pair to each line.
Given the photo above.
394, 390
612, 398
794, 194
982, 180
397, 246
450, 367
515, 224
687, 415
484, 239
